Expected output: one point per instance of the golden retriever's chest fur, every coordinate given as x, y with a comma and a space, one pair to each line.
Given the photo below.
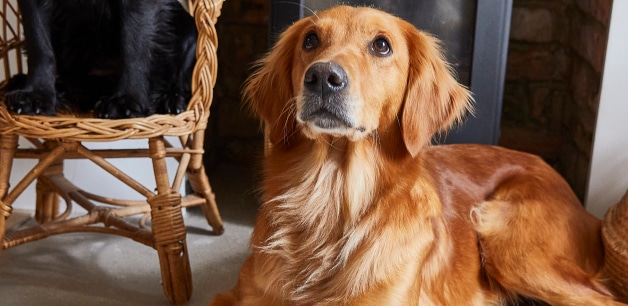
328, 241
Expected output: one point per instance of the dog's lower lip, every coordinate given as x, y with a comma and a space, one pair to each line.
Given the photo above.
324, 123
326, 120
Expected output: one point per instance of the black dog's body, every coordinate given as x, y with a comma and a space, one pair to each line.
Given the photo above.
122, 58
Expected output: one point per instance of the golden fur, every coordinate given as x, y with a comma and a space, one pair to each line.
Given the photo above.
360, 210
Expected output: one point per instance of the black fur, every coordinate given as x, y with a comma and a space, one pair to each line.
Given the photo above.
121, 58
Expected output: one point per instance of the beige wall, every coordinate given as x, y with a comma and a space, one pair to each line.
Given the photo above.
608, 177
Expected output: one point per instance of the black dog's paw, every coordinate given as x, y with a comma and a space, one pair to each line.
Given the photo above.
31, 102
119, 107
171, 102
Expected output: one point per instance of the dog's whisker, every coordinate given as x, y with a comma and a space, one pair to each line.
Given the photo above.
329, 142
291, 108
301, 5
377, 140
287, 108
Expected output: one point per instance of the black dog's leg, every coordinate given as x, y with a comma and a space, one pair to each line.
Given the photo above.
173, 95
37, 96
138, 33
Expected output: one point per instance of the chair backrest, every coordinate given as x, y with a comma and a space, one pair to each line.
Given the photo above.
11, 41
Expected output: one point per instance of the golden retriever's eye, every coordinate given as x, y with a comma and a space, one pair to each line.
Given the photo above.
381, 47
310, 42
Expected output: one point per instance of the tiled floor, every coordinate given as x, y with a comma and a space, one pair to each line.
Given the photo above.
96, 269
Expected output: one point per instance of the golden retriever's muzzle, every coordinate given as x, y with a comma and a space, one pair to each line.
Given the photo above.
325, 97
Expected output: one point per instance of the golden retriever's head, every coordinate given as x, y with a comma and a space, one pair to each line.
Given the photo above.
349, 72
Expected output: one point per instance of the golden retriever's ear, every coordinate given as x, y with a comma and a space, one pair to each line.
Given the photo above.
269, 91
434, 100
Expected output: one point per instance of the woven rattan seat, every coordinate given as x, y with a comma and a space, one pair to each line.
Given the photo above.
62, 137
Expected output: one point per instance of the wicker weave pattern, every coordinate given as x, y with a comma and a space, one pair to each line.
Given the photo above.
615, 237
93, 129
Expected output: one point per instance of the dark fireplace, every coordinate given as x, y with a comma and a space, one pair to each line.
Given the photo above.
474, 34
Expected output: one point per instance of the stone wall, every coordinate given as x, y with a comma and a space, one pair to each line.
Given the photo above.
555, 61
553, 75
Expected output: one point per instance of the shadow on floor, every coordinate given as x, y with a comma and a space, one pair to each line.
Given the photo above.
97, 269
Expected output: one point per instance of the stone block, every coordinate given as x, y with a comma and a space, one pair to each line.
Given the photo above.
515, 104
588, 39
538, 25
547, 100
537, 62
546, 144
531, 24
585, 84
598, 9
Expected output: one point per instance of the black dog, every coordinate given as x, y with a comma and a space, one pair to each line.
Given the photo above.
121, 58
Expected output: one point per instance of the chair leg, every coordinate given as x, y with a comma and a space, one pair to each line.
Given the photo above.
8, 146
47, 201
169, 230
200, 183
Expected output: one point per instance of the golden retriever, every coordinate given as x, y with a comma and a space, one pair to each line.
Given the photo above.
359, 209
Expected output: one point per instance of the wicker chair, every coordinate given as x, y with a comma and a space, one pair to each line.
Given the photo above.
61, 137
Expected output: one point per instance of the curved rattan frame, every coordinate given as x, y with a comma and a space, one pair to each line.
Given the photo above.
615, 237
61, 137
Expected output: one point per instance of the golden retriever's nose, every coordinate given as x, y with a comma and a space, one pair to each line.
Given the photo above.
325, 78
325, 102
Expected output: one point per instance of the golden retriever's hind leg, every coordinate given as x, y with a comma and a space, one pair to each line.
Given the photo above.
531, 254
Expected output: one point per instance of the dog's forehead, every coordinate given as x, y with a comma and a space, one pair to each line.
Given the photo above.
353, 21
